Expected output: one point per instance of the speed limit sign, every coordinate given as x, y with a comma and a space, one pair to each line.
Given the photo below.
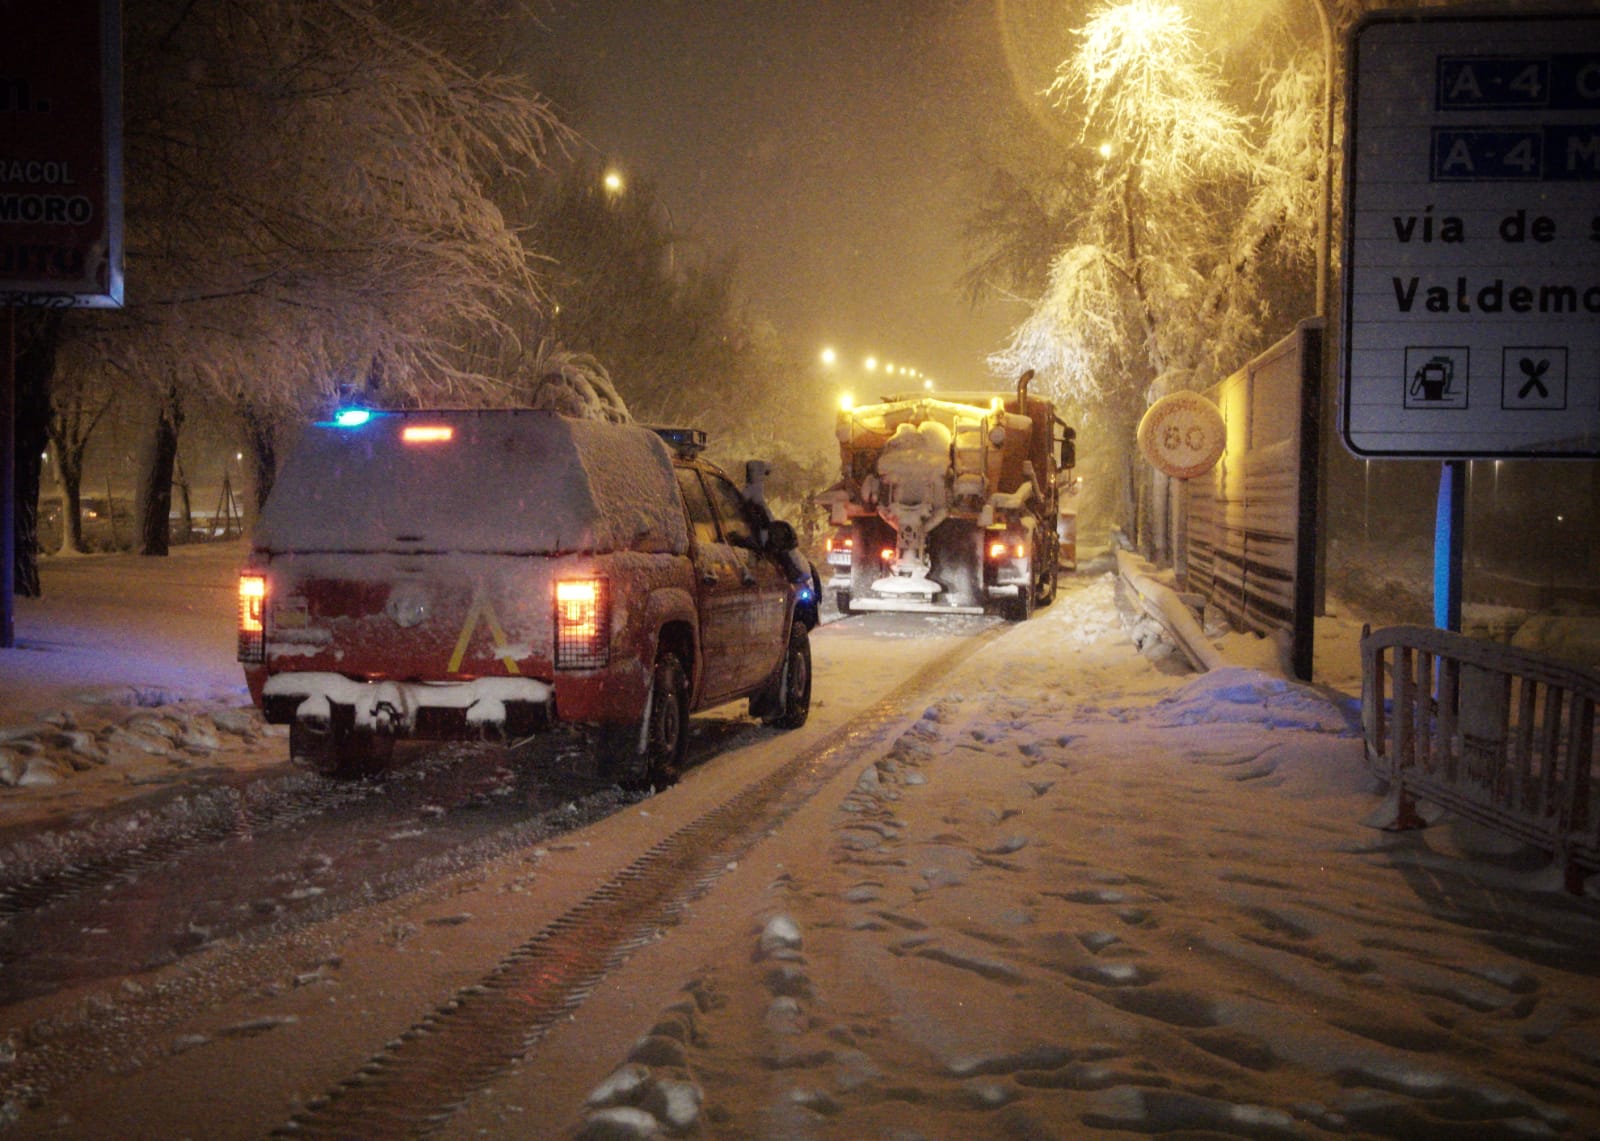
1183, 435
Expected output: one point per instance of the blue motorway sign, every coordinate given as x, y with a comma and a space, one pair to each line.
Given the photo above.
1472, 236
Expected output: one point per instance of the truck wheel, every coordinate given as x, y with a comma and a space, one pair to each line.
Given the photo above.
841, 599
1020, 608
1047, 588
339, 753
664, 730
791, 688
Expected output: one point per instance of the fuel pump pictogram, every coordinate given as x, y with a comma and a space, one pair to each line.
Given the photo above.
1435, 377
1434, 381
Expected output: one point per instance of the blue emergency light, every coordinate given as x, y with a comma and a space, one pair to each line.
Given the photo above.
351, 417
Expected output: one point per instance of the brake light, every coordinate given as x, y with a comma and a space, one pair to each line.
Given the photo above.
1002, 549
887, 554
252, 611
583, 624
427, 433
840, 544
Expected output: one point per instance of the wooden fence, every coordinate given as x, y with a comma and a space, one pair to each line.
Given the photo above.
1501, 736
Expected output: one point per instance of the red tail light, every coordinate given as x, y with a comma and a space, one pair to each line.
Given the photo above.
1006, 549
583, 624
252, 614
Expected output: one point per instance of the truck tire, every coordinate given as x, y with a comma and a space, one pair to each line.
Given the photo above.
664, 731
788, 696
1047, 588
339, 752
1020, 608
841, 599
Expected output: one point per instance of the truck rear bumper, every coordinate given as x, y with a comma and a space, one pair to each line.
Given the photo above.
915, 605
485, 707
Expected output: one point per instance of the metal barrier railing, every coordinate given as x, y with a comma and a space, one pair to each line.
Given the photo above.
1501, 736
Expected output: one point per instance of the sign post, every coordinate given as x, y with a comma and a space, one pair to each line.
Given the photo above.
60, 192
1472, 239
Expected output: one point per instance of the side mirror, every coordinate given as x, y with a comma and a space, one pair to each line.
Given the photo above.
1069, 448
781, 537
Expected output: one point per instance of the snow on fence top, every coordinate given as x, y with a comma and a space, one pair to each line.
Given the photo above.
515, 481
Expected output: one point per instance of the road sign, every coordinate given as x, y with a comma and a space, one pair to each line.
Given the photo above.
61, 153
1183, 435
1472, 236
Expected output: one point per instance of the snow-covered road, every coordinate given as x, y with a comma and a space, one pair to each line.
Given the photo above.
1078, 898
1066, 895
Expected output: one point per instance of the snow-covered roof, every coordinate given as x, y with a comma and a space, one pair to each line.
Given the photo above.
503, 481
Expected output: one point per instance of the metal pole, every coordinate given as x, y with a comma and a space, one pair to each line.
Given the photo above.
1449, 528
1325, 206
1327, 426
8, 481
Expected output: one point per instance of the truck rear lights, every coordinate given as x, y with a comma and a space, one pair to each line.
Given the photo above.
1006, 549
427, 433
840, 544
252, 610
583, 624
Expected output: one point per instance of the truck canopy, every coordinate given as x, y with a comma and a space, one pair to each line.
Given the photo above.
508, 481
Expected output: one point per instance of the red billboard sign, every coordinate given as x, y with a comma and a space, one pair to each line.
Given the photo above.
60, 152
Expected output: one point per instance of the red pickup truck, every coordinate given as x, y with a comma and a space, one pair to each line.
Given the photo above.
495, 573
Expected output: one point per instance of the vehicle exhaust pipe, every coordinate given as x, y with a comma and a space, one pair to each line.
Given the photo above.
1022, 391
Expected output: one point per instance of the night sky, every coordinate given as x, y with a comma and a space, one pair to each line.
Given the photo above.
828, 143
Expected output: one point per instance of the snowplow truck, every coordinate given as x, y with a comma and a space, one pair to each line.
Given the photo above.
949, 504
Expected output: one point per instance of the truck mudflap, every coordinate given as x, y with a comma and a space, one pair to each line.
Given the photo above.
490, 707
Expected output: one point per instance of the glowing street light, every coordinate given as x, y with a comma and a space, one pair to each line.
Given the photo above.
613, 182
829, 357
872, 364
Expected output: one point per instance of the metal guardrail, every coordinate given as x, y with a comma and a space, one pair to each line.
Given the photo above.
1501, 736
1161, 603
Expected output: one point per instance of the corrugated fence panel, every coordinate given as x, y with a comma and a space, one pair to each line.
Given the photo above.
1245, 550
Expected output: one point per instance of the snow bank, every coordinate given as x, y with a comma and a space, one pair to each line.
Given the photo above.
1076, 897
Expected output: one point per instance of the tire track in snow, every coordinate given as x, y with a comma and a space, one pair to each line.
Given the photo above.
422, 1076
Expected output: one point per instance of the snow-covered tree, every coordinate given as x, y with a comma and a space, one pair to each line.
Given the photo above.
80, 397
1157, 285
316, 195
642, 300
573, 384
